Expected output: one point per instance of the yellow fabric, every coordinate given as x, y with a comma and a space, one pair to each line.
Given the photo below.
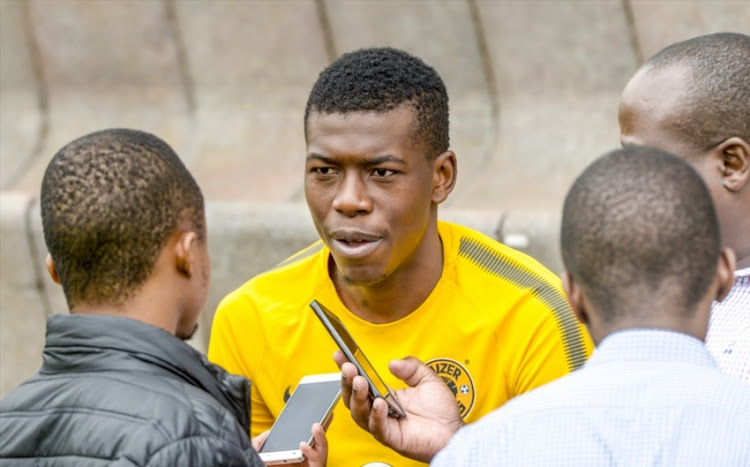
495, 326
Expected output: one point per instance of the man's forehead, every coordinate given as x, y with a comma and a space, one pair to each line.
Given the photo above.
653, 97
401, 118
661, 84
403, 107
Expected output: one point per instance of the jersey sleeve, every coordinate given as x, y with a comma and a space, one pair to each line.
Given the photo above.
554, 344
237, 344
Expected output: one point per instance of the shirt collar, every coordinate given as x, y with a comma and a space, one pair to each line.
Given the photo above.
651, 345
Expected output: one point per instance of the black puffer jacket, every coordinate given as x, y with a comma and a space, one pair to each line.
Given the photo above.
114, 391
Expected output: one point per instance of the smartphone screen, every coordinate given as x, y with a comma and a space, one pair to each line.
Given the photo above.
354, 354
312, 401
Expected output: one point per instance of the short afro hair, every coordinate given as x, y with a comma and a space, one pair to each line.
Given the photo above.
379, 80
638, 222
715, 103
109, 202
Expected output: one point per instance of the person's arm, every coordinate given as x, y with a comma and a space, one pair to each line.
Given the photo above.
432, 415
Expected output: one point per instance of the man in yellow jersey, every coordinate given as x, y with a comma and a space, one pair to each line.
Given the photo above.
490, 321
651, 394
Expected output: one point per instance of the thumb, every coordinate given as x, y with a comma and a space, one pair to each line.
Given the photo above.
258, 441
412, 371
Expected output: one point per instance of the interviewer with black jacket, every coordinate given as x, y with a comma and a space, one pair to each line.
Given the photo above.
124, 224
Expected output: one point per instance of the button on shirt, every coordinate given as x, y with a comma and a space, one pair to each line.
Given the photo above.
644, 398
728, 337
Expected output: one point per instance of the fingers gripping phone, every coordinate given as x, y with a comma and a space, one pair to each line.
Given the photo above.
312, 401
354, 354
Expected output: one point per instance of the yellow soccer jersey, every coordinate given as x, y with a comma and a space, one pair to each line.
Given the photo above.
496, 325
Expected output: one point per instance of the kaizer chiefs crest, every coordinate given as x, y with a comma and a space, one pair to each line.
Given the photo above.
458, 380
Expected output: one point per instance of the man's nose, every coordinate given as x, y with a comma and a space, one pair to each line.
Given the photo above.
352, 196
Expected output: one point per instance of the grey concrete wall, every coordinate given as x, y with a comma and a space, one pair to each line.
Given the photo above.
533, 84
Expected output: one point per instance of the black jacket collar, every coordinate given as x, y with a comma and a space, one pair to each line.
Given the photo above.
80, 342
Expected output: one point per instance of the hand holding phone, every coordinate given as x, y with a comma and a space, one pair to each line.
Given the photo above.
354, 354
433, 415
311, 402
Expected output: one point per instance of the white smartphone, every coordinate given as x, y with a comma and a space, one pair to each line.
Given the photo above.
312, 401
354, 354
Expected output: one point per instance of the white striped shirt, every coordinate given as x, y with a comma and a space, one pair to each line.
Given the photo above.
644, 398
728, 337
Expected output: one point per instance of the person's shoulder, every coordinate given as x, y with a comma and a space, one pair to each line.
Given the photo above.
214, 423
495, 277
190, 418
137, 412
563, 392
500, 424
486, 271
290, 282
181, 408
727, 390
301, 266
209, 416
133, 399
494, 258
135, 393
194, 428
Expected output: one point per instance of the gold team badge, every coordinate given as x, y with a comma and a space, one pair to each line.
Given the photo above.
458, 380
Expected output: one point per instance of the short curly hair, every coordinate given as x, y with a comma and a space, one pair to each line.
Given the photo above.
379, 80
640, 221
109, 202
715, 103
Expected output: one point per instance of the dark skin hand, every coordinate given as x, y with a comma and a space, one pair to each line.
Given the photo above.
432, 415
315, 455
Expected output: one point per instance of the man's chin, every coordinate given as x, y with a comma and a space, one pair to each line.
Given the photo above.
357, 279
353, 274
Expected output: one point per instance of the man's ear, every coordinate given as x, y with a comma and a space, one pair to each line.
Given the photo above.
735, 166
575, 298
444, 176
51, 269
725, 273
184, 251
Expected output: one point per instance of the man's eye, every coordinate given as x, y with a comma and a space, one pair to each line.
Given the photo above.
383, 172
323, 170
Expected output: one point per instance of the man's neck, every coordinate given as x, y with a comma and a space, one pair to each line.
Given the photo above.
743, 262
145, 307
736, 231
397, 295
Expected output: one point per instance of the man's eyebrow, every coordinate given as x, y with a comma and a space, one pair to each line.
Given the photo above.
386, 158
374, 161
320, 157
